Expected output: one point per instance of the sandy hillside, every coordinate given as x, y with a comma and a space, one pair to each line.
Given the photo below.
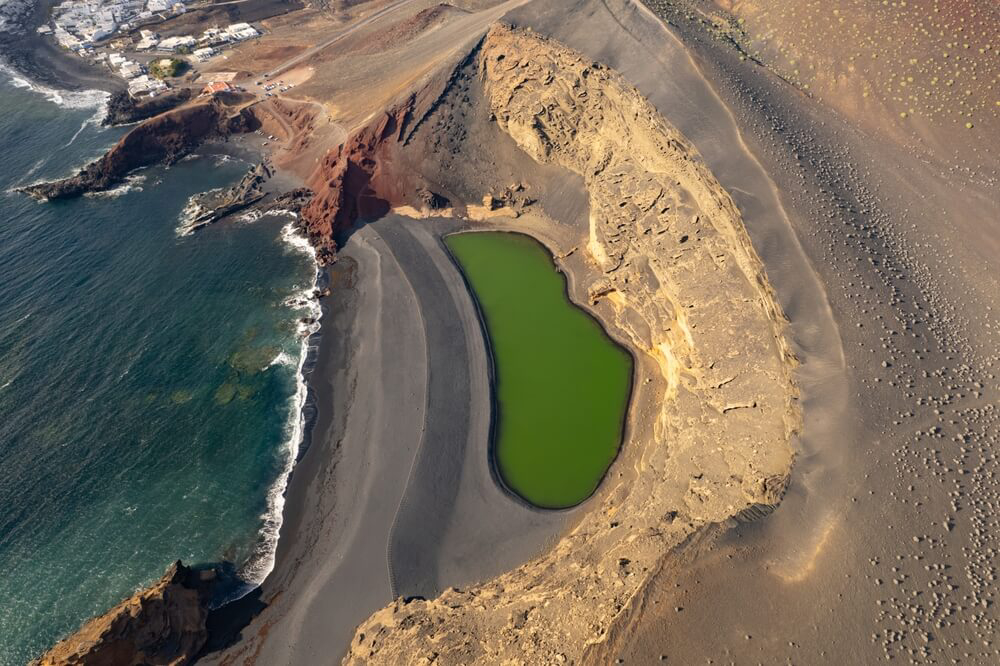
787, 212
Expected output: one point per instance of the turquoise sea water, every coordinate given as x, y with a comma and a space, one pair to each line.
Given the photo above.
148, 382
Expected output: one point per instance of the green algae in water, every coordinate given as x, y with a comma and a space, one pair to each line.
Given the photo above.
562, 385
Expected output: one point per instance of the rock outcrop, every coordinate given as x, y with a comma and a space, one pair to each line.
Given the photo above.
210, 207
346, 184
164, 624
669, 268
162, 139
124, 109
358, 180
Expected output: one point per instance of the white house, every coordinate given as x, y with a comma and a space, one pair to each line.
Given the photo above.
145, 85
175, 43
148, 40
241, 31
130, 70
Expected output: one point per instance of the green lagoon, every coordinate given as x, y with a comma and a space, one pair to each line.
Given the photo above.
562, 385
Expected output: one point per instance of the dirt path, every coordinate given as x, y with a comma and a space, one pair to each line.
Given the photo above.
302, 57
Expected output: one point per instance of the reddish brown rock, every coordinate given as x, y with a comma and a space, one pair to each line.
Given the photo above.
163, 138
355, 181
164, 624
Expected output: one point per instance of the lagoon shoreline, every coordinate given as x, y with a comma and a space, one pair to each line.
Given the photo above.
310, 603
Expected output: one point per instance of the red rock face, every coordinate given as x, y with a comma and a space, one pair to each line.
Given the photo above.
355, 181
163, 138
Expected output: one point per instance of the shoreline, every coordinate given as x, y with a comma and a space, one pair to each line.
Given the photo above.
470, 227
253, 571
65, 98
241, 147
42, 61
308, 304
336, 562
261, 565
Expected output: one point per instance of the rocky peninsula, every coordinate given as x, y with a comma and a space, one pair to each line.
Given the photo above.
165, 138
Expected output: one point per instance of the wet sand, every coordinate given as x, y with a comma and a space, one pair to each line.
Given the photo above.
394, 494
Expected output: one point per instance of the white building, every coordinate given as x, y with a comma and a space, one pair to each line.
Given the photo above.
145, 85
130, 70
240, 31
149, 39
214, 36
176, 43
203, 54
66, 40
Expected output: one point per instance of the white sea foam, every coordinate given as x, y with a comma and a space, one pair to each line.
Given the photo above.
191, 210
263, 561
296, 241
282, 359
132, 183
251, 215
31, 172
254, 214
83, 126
94, 120
84, 99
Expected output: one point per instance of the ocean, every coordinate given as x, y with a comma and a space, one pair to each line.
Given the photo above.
150, 392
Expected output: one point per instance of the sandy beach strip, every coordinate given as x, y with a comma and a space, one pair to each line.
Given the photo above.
394, 495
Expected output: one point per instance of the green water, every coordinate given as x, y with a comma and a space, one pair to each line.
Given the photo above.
562, 385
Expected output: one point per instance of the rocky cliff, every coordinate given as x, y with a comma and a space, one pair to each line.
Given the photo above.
346, 184
666, 264
163, 138
360, 178
163, 624
124, 109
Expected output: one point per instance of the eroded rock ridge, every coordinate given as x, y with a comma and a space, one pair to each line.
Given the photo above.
670, 269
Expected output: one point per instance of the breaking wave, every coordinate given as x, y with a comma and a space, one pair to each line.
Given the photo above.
83, 99
262, 562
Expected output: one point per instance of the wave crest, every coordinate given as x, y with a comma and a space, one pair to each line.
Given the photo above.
68, 99
262, 562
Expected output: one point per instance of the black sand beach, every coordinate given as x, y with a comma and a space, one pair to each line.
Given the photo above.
42, 60
394, 495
